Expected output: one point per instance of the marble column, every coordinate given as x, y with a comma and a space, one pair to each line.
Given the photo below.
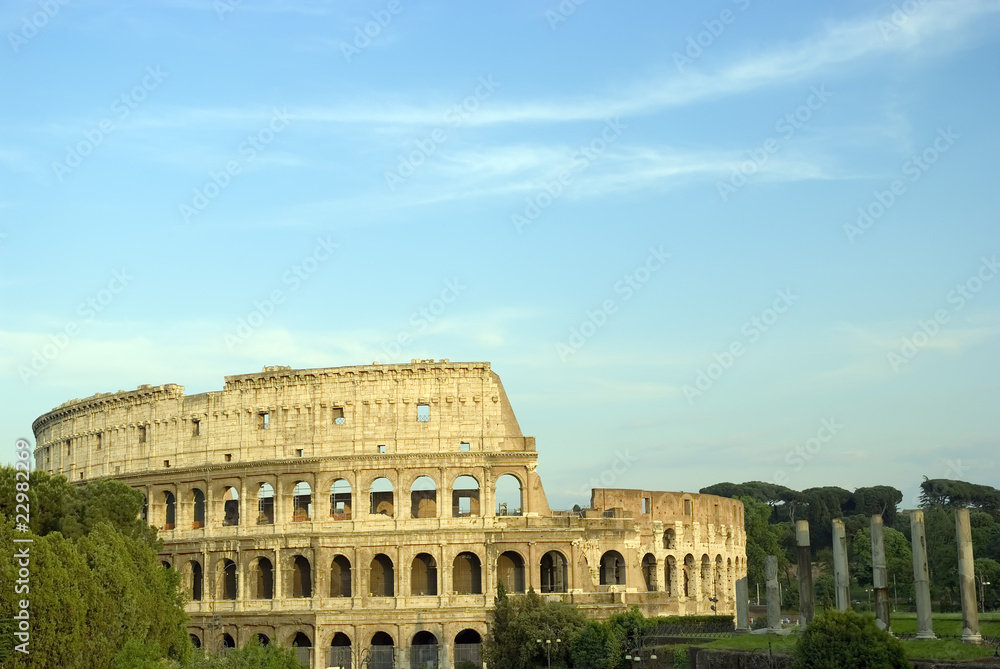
921, 576
967, 578
841, 575
807, 608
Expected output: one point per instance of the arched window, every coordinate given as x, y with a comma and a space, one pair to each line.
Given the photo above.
265, 504
382, 581
199, 509
380, 654
510, 570
423, 576
195, 640
669, 575
508, 496
231, 506
340, 500
717, 581
423, 498
170, 510
301, 577
264, 639
301, 502
227, 641
424, 650
228, 579
706, 576
340, 577
340, 650
197, 580
688, 574
465, 497
553, 572
467, 574
612, 568
303, 648
670, 539
468, 647
382, 501
649, 572
264, 579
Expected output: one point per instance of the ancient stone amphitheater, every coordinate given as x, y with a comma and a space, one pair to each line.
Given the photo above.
366, 514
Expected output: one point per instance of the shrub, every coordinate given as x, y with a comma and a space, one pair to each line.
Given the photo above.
847, 640
466, 664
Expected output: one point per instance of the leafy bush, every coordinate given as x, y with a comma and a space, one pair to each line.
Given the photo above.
847, 640
466, 664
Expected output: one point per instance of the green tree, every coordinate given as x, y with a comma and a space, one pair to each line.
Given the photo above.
762, 538
836, 640
595, 646
881, 499
519, 621
898, 557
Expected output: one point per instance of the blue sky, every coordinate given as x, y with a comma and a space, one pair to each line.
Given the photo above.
723, 241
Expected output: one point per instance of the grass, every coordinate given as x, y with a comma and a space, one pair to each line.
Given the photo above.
947, 624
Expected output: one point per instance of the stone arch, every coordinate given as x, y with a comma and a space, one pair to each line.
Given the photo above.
670, 539
688, 576
265, 504
424, 650
264, 639
301, 502
301, 577
195, 640
262, 578
229, 580
468, 647
198, 510
717, 587
227, 641
706, 576
649, 572
553, 572
423, 575
465, 496
509, 495
169, 510
230, 506
670, 576
194, 575
381, 651
303, 648
340, 650
467, 574
341, 499
510, 570
340, 576
613, 568
382, 580
382, 497
423, 497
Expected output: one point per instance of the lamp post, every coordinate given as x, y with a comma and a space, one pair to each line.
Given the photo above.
635, 655
982, 591
548, 649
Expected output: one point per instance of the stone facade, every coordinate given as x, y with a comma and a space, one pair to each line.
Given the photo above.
369, 511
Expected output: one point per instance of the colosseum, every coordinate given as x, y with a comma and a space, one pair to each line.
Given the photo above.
366, 514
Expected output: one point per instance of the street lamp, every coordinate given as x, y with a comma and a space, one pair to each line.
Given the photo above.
635, 655
548, 649
982, 591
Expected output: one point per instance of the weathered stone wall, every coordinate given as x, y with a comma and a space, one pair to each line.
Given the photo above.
323, 440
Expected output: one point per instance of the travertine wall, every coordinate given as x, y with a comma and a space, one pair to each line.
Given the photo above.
202, 462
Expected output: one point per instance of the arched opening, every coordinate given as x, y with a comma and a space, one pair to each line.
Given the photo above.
612, 568
264, 581
465, 497
170, 510
340, 651
717, 581
382, 502
423, 651
265, 504
264, 639
227, 641
670, 539
340, 577
380, 653
195, 640
508, 496
303, 648
510, 571
199, 509
553, 572
423, 498
668, 575
468, 647
649, 572
301, 502
197, 581
231, 507
467, 574
340, 500
165, 564
706, 576
688, 574
381, 583
423, 576
228, 579
301, 577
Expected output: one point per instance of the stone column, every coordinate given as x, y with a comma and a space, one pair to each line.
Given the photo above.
742, 605
967, 578
806, 596
841, 575
773, 597
921, 577
880, 578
